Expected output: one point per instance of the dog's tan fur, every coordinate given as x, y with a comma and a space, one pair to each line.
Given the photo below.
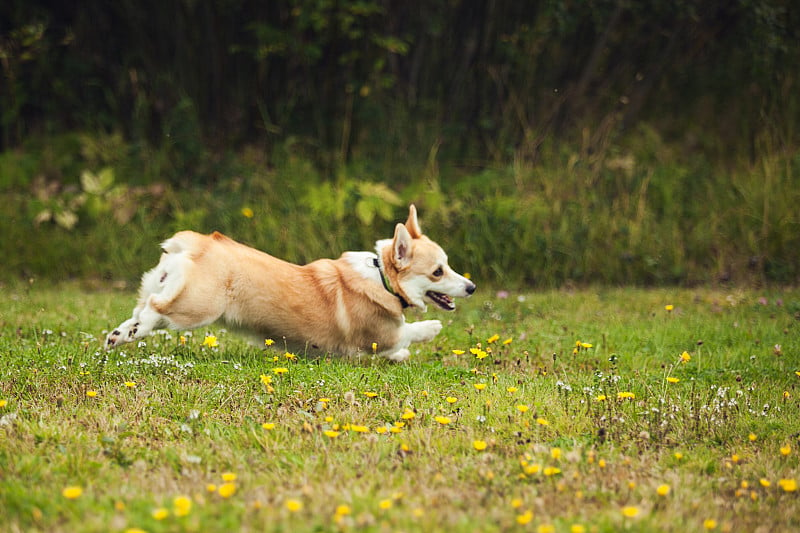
328, 305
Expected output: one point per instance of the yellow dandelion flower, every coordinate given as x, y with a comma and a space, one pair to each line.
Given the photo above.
508, 341
228, 476
370, 394
522, 408
458, 352
709, 524
669, 307
330, 433
160, 513
512, 390
516, 503
3, 403
662, 490
91, 393
130, 384
480, 354
532, 469
408, 414
735, 458
788, 485
600, 398
625, 396
479, 386
135, 530
786, 450
479, 445
182, 340
442, 420
182, 505
764, 482
290, 356
577, 528
265, 379
226, 490
280, 370
343, 510
247, 212
210, 341
542, 422
586, 345
294, 506
450, 399
72, 493
525, 518
269, 342
395, 429
551, 471
268, 425
381, 430
631, 485
685, 357
385, 505
211, 487
601, 463
359, 429
678, 455
629, 511
671, 379
752, 437
555, 453
546, 528
374, 347
493, 338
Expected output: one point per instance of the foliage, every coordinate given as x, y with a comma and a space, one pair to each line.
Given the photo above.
488, 81
633, 215
609, 410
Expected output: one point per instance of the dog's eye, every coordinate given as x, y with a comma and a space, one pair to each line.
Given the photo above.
438, 272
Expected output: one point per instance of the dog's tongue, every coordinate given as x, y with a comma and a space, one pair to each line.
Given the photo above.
442, 300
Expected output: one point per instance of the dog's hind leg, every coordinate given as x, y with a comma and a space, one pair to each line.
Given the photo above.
159, 286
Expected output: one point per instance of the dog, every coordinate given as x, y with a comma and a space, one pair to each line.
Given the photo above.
349, 305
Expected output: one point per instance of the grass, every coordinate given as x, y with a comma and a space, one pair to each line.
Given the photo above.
562, 437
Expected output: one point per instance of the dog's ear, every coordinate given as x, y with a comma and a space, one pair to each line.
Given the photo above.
401, 245
412, 224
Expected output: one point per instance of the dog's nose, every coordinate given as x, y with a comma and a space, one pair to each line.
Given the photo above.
470, 288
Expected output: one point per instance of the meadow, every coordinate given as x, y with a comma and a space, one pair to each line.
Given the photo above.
556, 411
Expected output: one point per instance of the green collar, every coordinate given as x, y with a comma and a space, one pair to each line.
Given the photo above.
387, 285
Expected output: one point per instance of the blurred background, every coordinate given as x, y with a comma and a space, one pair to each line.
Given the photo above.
545, 143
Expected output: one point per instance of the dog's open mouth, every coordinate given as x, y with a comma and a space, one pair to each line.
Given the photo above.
442, 300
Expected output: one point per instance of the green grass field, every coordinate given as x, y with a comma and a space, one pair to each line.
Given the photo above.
565, 412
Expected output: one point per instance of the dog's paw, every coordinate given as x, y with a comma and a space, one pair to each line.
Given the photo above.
425, 330
399, 356
125, 332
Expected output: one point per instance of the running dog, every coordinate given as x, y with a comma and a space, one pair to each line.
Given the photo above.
347, 305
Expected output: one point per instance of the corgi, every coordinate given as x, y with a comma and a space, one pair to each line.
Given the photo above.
349, 305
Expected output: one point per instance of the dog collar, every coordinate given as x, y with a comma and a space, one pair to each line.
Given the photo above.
387, 285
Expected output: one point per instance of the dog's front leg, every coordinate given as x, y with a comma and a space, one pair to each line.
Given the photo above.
422, 331
412, 332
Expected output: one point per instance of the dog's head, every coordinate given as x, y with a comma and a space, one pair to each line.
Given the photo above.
417, 267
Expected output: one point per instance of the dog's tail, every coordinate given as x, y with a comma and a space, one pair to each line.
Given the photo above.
182, 241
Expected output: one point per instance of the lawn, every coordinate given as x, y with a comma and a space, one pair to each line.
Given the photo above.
564, 411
